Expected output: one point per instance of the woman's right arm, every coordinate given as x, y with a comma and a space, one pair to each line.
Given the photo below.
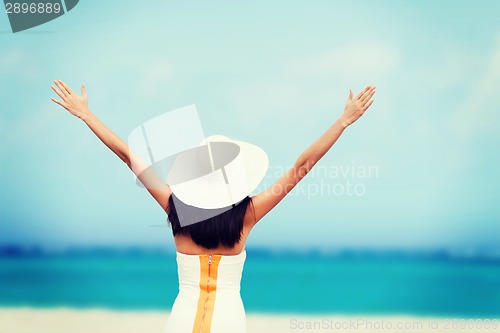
78, 106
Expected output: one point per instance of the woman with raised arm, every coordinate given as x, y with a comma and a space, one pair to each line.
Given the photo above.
207, 199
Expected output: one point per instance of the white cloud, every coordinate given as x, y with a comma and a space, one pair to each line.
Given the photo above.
453, 67
480, 110
265, 99
358, 58
10, 59
20, 63
154, 77
300, 89
29, 128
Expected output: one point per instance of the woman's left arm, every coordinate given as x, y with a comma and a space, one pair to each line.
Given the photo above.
265, 201
78, 106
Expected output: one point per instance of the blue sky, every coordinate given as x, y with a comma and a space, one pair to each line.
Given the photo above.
276, 74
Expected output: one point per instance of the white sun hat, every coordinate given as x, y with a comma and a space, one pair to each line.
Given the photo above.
217, 174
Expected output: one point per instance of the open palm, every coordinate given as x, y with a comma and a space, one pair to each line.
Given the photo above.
77, 105
356, 107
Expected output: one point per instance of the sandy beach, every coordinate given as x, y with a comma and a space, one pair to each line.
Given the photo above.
59, 320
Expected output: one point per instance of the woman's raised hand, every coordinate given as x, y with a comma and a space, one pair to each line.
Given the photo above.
77, 105
356, 107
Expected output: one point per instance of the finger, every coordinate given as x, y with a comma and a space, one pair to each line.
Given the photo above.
60, 94
367, 96
368, 105
59, 85
58, 102
84, 92
362, 92
350, 95
68, 89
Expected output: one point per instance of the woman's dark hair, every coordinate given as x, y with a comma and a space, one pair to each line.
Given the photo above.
223, 229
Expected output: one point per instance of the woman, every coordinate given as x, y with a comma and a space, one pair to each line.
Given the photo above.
211, 248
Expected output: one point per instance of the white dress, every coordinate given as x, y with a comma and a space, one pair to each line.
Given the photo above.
209, 299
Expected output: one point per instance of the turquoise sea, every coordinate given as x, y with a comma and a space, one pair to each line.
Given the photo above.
346, 282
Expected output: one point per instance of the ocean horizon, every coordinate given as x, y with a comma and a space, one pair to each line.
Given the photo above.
440, 283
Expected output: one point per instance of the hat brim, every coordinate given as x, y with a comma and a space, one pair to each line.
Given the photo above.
201, 188
209, 191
